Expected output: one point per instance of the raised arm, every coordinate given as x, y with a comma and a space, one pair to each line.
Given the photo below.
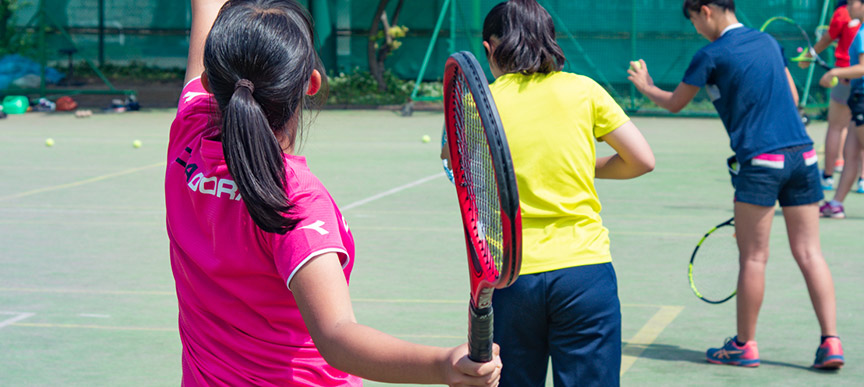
322, 296
203, 14
634, 157
672, 101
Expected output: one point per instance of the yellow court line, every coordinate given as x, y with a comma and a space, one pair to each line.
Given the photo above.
79, 326
150, 329
81, 182
88, 291
647, 334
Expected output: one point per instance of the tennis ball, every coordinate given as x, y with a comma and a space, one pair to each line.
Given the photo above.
49, 142
136, 143
834, 81
637, 65
426, 138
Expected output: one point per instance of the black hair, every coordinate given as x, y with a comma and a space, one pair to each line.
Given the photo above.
696, 6
526, 38
841, 3
258, 59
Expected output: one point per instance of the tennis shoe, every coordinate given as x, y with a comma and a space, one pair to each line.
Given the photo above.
731, 354
860, 185
829, 210
829, 355
827, 183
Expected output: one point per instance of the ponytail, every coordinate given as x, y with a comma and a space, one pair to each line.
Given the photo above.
255, 161
258, 58
526, 38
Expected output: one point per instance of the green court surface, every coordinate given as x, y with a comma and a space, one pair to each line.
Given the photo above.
86, 291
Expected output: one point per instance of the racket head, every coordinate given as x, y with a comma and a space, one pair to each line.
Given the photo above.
791, 36
713, 270
484, 178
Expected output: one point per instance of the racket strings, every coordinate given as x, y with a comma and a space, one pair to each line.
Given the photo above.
478, 174
715, 268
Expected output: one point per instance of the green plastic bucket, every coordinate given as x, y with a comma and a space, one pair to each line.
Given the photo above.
15, 104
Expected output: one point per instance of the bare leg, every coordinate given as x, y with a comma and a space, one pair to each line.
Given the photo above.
852, 154
839, 116
802, 226
753, 229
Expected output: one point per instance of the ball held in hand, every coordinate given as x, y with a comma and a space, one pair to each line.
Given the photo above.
636, 65
835, 81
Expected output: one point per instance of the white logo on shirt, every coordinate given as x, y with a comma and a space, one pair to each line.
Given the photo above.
317, 227
190, 95
214, 186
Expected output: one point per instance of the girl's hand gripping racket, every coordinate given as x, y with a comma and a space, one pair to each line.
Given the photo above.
487, 192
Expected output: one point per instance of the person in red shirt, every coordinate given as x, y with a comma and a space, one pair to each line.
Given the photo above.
842, 30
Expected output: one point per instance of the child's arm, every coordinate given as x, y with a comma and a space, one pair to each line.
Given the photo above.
851, 72
672, 101
634, 157
322, 296
203, 14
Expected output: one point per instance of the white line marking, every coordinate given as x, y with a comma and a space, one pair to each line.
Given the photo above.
392, 191
95, 315
20, 316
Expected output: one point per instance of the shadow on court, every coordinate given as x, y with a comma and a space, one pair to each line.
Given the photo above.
676, 353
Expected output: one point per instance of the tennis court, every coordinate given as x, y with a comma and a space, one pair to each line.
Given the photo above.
86, 291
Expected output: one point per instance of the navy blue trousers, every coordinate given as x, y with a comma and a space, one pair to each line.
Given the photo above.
571, 315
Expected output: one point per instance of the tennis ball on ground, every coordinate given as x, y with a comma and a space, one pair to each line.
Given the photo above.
136, 143
426, 138
49, 142
834, 81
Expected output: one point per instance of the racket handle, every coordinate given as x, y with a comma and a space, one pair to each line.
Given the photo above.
480, 334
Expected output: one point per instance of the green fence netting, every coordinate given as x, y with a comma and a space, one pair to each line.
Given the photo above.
598, 37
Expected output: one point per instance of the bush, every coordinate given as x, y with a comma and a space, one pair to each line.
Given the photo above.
360, 88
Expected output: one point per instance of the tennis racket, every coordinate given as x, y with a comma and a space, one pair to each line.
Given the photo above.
784, 29
714, 275
486, 189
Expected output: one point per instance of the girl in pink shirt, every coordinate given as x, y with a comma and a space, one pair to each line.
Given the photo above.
260, 252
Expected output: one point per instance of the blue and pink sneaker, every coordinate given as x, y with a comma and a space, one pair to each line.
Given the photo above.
732, 354
829, 355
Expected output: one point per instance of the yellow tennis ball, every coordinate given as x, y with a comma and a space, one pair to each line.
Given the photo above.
136, 143
426, 138
49, 142
637, 65
834, 81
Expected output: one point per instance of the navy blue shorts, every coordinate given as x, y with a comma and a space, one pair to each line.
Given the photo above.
788, 175
571, 315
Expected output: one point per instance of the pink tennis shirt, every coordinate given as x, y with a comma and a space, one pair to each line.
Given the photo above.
239, 322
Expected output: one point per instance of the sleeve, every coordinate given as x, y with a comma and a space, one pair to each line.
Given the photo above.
608, 115
857, 46
838, 24
317, 233
782, 52
194, 113
701, 67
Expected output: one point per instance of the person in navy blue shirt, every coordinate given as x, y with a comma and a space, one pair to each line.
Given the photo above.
744, 73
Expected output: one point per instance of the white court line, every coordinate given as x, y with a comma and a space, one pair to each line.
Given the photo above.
392, 191
20, 316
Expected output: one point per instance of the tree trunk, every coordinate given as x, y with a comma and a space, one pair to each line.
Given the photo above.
375, 69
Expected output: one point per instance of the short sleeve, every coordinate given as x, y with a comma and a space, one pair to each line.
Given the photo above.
701, 67
195, 111
857, 47
318, 232
608, 115
839, 21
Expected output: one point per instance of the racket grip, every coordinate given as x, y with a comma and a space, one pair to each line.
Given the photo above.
480, 334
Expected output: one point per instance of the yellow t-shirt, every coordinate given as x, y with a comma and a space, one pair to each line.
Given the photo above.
551, 122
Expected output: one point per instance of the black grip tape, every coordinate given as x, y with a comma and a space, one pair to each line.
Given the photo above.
480, 334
